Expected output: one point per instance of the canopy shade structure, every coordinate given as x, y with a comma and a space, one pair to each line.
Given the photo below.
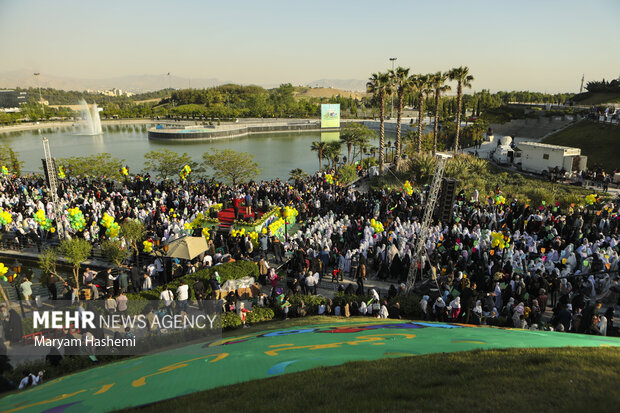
187, 248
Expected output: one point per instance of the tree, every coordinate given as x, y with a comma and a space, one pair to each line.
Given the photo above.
355, 134
332, 151
48, 259
9, 159
319, 148
166, 163
231, 166
99, 165
463, 79
115, 252
403, 82
421, 84
133, 231
438, 81
380, 86
296, 174
76, 251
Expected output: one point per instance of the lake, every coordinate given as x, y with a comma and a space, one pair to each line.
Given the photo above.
276, 153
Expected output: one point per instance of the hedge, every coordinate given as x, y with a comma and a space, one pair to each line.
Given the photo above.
228, 271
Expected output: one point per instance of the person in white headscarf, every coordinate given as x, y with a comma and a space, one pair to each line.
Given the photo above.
477, 312
424, 307
455, 308
439, 309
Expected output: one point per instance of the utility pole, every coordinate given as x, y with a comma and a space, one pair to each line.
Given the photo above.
36, 76
392, 59
582, 79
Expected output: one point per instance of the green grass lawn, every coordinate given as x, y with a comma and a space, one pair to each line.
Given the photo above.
549, 380
600, 143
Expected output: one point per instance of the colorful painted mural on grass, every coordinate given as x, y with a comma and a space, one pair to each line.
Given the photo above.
161, 376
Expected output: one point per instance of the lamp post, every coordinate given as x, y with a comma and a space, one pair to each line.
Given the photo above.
392, 59
36, 76
17, 268
283, 213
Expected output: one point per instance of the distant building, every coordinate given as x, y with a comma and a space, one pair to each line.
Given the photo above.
12, 98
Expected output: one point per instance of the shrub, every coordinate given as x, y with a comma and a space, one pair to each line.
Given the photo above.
230, 320
259, 314
312, 302
347, 174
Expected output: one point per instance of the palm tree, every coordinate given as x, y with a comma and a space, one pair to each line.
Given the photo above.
380, 86
463, 79
331, 152
319, 147
296, 174
438, 81
402, 82
422, 84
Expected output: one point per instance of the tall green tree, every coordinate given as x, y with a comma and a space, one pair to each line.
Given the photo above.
380, 85
355, 135
166, 163
438, 81
319, 148
99, 165
463, 79
403, 83
9, 159
133, 231
332, 152
422, 85
76, 251
231, 166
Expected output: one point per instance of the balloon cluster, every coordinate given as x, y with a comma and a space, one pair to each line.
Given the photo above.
76, 219
329, 178
500, 200
276, 225
5, 170
253, 237
124, 171
172, 213
407, 188
44, 222
238, 232
206, 233
289, 212
112, 228
5, 217
376, 225
499, 240
61, 172
591, 199
147, 246
3, 271
185, 172
188, 226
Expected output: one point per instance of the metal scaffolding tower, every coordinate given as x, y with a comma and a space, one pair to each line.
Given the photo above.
419, 251
52, 184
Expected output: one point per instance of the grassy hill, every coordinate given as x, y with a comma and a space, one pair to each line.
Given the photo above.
600, 143
597, 98
553, 380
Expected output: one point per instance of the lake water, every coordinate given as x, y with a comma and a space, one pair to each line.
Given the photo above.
276, 153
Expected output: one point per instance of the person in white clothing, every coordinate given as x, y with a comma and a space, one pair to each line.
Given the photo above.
168, 298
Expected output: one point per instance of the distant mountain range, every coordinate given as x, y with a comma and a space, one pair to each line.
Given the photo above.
146, 83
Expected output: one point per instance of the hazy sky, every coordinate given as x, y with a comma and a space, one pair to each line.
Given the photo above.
542, 45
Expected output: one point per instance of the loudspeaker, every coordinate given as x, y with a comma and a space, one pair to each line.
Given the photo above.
446, 200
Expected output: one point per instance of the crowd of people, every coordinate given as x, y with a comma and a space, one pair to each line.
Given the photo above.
500, 263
